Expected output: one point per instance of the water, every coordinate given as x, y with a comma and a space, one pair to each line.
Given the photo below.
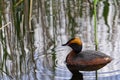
37, 54
107, 44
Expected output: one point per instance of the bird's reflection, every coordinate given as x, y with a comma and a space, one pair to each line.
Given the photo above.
77, 76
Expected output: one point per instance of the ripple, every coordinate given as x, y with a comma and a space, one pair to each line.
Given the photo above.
47, 70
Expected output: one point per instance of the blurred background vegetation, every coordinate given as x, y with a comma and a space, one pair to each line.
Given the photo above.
56, 20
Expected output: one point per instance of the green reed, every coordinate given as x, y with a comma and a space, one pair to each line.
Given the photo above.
3, 58
16, 29
95, 30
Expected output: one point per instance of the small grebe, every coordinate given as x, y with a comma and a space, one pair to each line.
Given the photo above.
88, 60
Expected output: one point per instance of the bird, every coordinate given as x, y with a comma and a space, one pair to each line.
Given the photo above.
87, 60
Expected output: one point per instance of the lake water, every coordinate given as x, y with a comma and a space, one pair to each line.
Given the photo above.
39, 54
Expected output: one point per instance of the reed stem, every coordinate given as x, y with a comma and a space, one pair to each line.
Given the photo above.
95, 32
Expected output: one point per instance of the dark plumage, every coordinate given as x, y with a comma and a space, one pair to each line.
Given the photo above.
88, 60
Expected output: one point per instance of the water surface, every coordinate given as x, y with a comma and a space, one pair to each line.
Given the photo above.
35, 53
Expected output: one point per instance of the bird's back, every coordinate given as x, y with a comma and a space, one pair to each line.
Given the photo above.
88, 60
88, 55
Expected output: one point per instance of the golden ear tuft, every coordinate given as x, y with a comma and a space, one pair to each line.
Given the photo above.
76, 40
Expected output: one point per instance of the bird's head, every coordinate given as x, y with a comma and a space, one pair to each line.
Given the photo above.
75, 44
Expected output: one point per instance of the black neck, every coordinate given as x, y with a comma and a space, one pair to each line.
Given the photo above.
77, 48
